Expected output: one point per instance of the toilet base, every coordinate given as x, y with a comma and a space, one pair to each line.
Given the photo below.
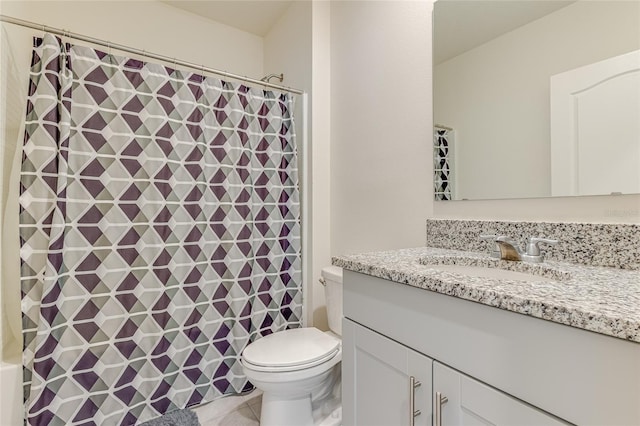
322, 407
290, 403
314, 401
298, 411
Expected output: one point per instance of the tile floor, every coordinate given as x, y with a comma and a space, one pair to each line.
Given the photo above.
231, 411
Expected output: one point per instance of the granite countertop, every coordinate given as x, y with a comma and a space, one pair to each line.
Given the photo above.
599, 299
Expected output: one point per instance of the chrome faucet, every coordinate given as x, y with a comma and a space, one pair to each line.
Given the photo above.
506, 248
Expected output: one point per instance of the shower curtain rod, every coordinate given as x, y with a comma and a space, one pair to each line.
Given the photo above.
127, 49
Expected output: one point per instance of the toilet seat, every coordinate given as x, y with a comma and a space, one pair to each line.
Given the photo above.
291, 350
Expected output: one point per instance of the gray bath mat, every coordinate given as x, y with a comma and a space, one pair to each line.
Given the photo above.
184, 417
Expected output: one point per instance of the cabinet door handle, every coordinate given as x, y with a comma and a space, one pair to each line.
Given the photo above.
413, 413
440, 401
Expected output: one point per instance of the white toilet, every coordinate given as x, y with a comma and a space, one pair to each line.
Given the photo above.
298, 370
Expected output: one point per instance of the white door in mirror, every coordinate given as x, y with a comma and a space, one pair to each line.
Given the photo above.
595, 131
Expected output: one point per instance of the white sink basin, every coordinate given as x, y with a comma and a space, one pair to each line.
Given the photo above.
492, 273
489, 268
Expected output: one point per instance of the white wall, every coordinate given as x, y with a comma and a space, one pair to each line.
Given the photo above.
320, 154
381, 125
287, 47
496, 96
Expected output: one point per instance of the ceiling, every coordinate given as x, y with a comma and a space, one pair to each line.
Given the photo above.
252, 16
461, 25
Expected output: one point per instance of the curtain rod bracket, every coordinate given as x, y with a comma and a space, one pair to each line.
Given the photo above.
267, 78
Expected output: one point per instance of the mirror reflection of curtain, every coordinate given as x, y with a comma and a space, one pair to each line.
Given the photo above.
160, 234
442, 162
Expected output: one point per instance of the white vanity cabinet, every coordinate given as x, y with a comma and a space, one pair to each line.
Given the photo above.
494, 366
384, 383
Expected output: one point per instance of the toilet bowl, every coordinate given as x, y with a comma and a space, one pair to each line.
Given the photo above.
298, 370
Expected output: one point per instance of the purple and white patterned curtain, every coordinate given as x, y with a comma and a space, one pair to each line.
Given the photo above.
160, 234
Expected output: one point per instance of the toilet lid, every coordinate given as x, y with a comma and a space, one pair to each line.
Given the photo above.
291, 349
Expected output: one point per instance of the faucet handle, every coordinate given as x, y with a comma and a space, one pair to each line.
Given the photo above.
533, 248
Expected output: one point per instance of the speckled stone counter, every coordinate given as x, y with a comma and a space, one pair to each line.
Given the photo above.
598, 299
594, 244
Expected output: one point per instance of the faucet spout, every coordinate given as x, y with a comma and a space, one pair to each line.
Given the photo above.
508, 251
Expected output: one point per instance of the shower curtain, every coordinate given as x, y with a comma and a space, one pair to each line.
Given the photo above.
160, 234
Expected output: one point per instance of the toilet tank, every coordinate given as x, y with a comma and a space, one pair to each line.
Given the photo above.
332, 281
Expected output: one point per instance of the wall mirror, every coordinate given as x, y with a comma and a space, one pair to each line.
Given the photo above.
536, 98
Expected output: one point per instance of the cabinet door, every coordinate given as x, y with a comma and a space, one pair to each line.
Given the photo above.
472, 403
376, 377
